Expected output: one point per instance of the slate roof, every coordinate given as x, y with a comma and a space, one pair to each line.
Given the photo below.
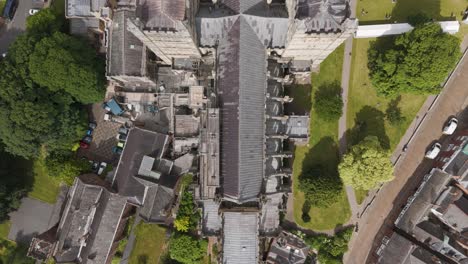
287, 249
91, 217
240, 238
242, 88
125, 51
161, 14
139, 143
83, 8
424, 198
157, 203
322, 16
401, 250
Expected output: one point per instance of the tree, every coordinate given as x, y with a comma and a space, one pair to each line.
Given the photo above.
64, 63
15, 182
65, 168
182, 224
188, 210
321, 186
416, 62
186, 249
328, 102
44, 22
366, 165
330, 248
393, 112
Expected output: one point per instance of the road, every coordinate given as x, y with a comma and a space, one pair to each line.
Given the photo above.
17, 25
410, 169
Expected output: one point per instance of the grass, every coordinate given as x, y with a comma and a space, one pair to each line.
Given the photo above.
2, 5
360, 195
150, 243
376, 10
322, 148
365, 106
10, 252
44, 188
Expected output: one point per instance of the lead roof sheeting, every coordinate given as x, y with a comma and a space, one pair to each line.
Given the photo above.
211, 216
240, 245
272, 32
78, 7
321, 15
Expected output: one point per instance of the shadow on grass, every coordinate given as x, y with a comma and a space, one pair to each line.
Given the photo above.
404, 9
369, 121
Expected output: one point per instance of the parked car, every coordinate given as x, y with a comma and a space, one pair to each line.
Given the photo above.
92, 125
33, 11
450, 127
121, 144
117, 150
123, 130
84, 145
102, 167
433, 151
121, 137
94, 165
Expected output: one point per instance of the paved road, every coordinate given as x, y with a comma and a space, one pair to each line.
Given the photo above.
412, 167
17, 25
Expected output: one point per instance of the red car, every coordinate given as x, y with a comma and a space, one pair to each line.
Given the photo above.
84, 145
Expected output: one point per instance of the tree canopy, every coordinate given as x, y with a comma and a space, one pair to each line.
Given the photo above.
186, 249
366, 165
45, 79
415, 62
321, 187
328, 103
330, 248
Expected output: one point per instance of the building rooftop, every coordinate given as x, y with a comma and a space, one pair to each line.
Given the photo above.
90, 221
240, 238
161, 14
83, 8
287, 249
139, 143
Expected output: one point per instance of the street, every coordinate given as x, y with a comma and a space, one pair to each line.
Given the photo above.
378, 219
17, 25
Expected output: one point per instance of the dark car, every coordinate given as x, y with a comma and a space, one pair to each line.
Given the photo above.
87, 139
92, 125
123, 130
117, 150
122, 137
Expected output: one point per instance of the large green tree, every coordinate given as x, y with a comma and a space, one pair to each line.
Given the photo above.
64, 63
415, 62
186, 249
366, 165
320, 186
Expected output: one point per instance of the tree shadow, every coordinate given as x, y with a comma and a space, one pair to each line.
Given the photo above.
369, 121
142, 259
305, 211
406, 8
393, 112
329, 89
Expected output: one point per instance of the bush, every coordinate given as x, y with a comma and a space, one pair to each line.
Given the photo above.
328, 103
330, 249
65, 167
187, 212
186, 249
321, 186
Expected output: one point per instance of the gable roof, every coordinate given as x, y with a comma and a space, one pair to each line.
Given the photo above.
91, 217
160, 14
242, 89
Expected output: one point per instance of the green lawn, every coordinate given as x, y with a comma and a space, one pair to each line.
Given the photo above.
150, 244
360, 195
375, 10
367, 110
44, 188
2, 5
365, 107
10, 252
323, 149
